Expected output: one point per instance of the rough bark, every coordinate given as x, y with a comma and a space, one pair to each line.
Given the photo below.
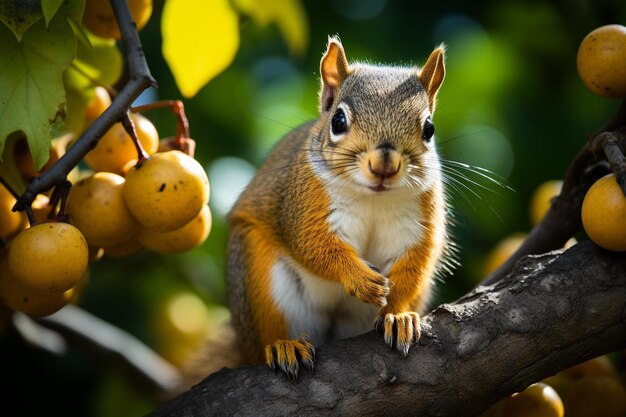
551, 312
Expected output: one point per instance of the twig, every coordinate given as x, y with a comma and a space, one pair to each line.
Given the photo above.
140, 79
609, 144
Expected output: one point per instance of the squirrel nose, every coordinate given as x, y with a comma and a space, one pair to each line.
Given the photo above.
385, 170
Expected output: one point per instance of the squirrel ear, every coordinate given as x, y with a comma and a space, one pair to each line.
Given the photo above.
432, 74
334, 69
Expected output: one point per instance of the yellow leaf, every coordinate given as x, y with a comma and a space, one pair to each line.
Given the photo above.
289, 16
200, 40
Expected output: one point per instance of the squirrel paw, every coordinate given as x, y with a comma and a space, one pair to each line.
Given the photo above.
372, 289
288, 355
400, 330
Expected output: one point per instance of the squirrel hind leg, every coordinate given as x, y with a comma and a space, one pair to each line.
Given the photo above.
288, 355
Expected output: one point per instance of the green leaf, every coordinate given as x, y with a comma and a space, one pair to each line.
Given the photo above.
31, 87
50, 8
199, 42
19, 15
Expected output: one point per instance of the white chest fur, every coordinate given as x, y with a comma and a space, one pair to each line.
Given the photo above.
381, 227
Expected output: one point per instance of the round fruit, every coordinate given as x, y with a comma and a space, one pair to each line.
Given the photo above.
124, 249
183, 239
98, 104
596, 397
542, 199
24, 158
601, 61
538, 400
604, 214
49, 257
27, 301
11, 222
100, 19
503, 251
96, 206
166, 191
115, 149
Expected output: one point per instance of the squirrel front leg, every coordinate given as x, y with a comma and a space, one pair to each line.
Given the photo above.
320, 250
410, 277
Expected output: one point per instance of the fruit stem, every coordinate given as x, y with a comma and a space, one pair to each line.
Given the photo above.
64, 192
129, 126
178, 109
609, 143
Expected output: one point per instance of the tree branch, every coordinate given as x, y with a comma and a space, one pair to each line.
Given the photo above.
140, 79
552, 312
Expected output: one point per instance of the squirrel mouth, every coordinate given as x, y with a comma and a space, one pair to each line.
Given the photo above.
378, 188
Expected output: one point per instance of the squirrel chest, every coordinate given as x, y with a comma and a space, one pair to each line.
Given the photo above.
380, 228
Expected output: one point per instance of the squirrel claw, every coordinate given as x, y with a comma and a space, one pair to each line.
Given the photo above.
400, 330
289, 355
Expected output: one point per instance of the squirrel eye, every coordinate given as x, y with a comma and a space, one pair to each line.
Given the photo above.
338, 124
428, 130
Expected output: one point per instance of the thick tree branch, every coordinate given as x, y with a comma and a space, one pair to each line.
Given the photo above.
552, 312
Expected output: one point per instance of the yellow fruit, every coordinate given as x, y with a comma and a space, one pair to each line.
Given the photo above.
11, 222
115, 149
604, 214
542, 198
596, 397
166, 191
538, 400
96, 206
601, 61
98, 104
502, 252
49, 257
100, 19
27, 301
124, 249
183, 239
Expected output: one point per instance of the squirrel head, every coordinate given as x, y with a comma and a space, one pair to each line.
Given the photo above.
377, 128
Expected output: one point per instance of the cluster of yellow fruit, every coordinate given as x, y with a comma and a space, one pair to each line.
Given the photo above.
591, 389
117, 209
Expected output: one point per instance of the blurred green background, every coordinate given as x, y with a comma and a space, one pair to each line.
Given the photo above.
512, 103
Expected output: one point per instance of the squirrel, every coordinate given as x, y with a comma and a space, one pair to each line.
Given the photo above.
344, 225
